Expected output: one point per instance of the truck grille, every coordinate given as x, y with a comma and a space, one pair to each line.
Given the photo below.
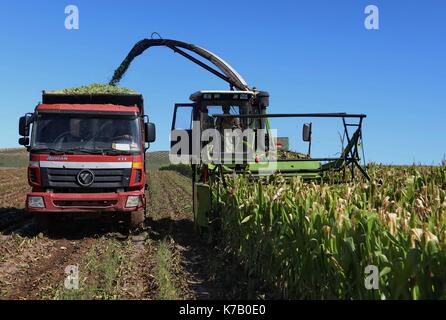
67, 178
84, 203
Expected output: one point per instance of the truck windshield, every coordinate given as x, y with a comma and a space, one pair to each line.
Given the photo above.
83, 134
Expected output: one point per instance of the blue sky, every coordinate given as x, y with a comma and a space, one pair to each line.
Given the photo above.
312, 56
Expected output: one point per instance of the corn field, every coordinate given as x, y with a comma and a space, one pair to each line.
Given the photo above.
316, 240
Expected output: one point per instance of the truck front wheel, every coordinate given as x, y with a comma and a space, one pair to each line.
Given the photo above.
44, 222
135, 219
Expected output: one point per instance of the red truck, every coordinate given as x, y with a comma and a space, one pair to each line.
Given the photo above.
87, 156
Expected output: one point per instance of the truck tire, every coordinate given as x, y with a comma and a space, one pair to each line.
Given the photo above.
135, 219
42, 222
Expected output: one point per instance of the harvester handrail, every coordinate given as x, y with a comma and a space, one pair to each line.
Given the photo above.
349, 154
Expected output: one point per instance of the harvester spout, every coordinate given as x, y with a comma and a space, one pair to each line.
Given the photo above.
225, 71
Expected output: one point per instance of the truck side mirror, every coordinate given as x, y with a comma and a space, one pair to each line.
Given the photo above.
150, 132
306, 132
24, 141
24, 123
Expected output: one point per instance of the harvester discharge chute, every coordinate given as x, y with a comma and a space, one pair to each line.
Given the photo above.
225, 72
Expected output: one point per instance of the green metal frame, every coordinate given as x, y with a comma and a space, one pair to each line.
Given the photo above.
206, 177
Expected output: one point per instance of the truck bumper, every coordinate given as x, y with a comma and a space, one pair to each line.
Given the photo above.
90, 202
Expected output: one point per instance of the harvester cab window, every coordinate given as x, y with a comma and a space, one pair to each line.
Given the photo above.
183, 117
224, 123
232, 122
182, 123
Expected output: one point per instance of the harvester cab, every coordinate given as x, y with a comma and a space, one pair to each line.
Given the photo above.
210, 116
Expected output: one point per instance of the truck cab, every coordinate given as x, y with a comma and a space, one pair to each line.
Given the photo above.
87, 155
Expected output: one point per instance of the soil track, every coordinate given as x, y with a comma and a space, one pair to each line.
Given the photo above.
170, 216
111, 264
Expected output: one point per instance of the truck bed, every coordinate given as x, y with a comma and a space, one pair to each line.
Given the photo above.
116, 99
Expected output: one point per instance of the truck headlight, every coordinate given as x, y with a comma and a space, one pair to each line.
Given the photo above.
132, 201
36, 202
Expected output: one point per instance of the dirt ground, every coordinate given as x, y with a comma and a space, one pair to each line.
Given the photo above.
164, 259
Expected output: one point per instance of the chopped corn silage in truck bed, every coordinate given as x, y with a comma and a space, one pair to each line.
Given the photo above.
94, 89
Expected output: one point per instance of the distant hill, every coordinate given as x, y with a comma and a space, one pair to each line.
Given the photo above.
157, 159
13, 158
18, 158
